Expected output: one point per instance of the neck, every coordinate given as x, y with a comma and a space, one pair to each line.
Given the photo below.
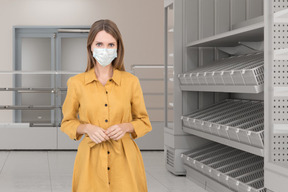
104, 71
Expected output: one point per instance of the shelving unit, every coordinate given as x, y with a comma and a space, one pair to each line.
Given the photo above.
217, 104
217, 88
232, 38
235, 169
169, 63
174, 144
243, 73
34, 90
276, 122
238, 120
225, 141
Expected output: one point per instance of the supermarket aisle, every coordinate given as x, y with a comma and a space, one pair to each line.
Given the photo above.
51, 171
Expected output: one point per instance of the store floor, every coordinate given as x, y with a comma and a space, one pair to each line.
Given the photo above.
51, 171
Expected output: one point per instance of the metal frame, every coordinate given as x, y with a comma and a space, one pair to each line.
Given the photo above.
55, 33
275, 169
62, 33
55, 139
188, 54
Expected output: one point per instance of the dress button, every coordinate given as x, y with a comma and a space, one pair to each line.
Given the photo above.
108, 152
105, 105
108, 168
106, 92
106, 120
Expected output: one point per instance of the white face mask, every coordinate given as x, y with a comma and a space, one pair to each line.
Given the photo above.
104, 56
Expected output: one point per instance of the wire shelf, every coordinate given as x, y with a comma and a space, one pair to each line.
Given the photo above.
238, 120
238, 170
241, 183
33, 89
257, 186
237, 71
28, 107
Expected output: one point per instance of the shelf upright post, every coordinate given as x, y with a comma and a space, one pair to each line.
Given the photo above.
176, 141
172, 140
276, 96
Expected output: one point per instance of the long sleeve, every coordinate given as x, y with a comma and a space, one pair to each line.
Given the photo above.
70, 107
141, 121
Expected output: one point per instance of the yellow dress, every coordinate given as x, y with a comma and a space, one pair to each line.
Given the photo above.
114, 166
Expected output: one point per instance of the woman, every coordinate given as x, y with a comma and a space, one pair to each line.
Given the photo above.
112, 113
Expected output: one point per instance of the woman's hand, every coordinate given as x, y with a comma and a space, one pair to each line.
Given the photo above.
117, 131
96, 134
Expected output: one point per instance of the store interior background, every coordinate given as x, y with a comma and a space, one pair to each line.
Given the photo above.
141, 24
181, 34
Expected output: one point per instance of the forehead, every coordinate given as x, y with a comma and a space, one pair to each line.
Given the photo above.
103, 36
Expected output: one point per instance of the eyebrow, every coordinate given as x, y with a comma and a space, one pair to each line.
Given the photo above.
108, 43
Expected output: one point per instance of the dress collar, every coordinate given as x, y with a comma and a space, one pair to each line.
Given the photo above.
90, 76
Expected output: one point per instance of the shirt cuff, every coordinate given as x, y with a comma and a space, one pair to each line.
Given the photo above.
76, 136
137, 129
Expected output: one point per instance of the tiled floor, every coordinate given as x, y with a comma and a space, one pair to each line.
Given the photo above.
51, 171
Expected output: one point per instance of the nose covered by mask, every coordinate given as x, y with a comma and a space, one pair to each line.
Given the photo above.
104, 56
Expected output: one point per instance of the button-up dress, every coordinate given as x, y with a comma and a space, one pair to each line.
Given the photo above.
115, 166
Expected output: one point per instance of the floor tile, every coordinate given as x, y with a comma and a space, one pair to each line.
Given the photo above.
61, 161
61, 182
3, 157
51, 171
25, 162
153, 185
25, 183
155, 166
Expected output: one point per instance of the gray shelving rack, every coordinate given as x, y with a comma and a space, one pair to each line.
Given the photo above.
230, 130
34, 90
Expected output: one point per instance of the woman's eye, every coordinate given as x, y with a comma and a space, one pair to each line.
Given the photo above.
98, 44
111, 45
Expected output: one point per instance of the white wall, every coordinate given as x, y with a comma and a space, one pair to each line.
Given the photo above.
141, 23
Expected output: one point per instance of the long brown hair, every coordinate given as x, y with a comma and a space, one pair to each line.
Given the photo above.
111, 28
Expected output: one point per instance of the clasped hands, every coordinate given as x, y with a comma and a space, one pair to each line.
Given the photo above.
98, 134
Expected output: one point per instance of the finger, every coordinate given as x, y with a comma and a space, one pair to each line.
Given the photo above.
120, 136
96, 140
101, 137
109, 130
98, 137
117, 135
112, 134
114, 130
104, 136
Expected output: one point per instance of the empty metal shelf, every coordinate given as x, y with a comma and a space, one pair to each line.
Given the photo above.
30, 89
34, 124
243, 72
237, 120
28, 107
238, 170
33, 90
